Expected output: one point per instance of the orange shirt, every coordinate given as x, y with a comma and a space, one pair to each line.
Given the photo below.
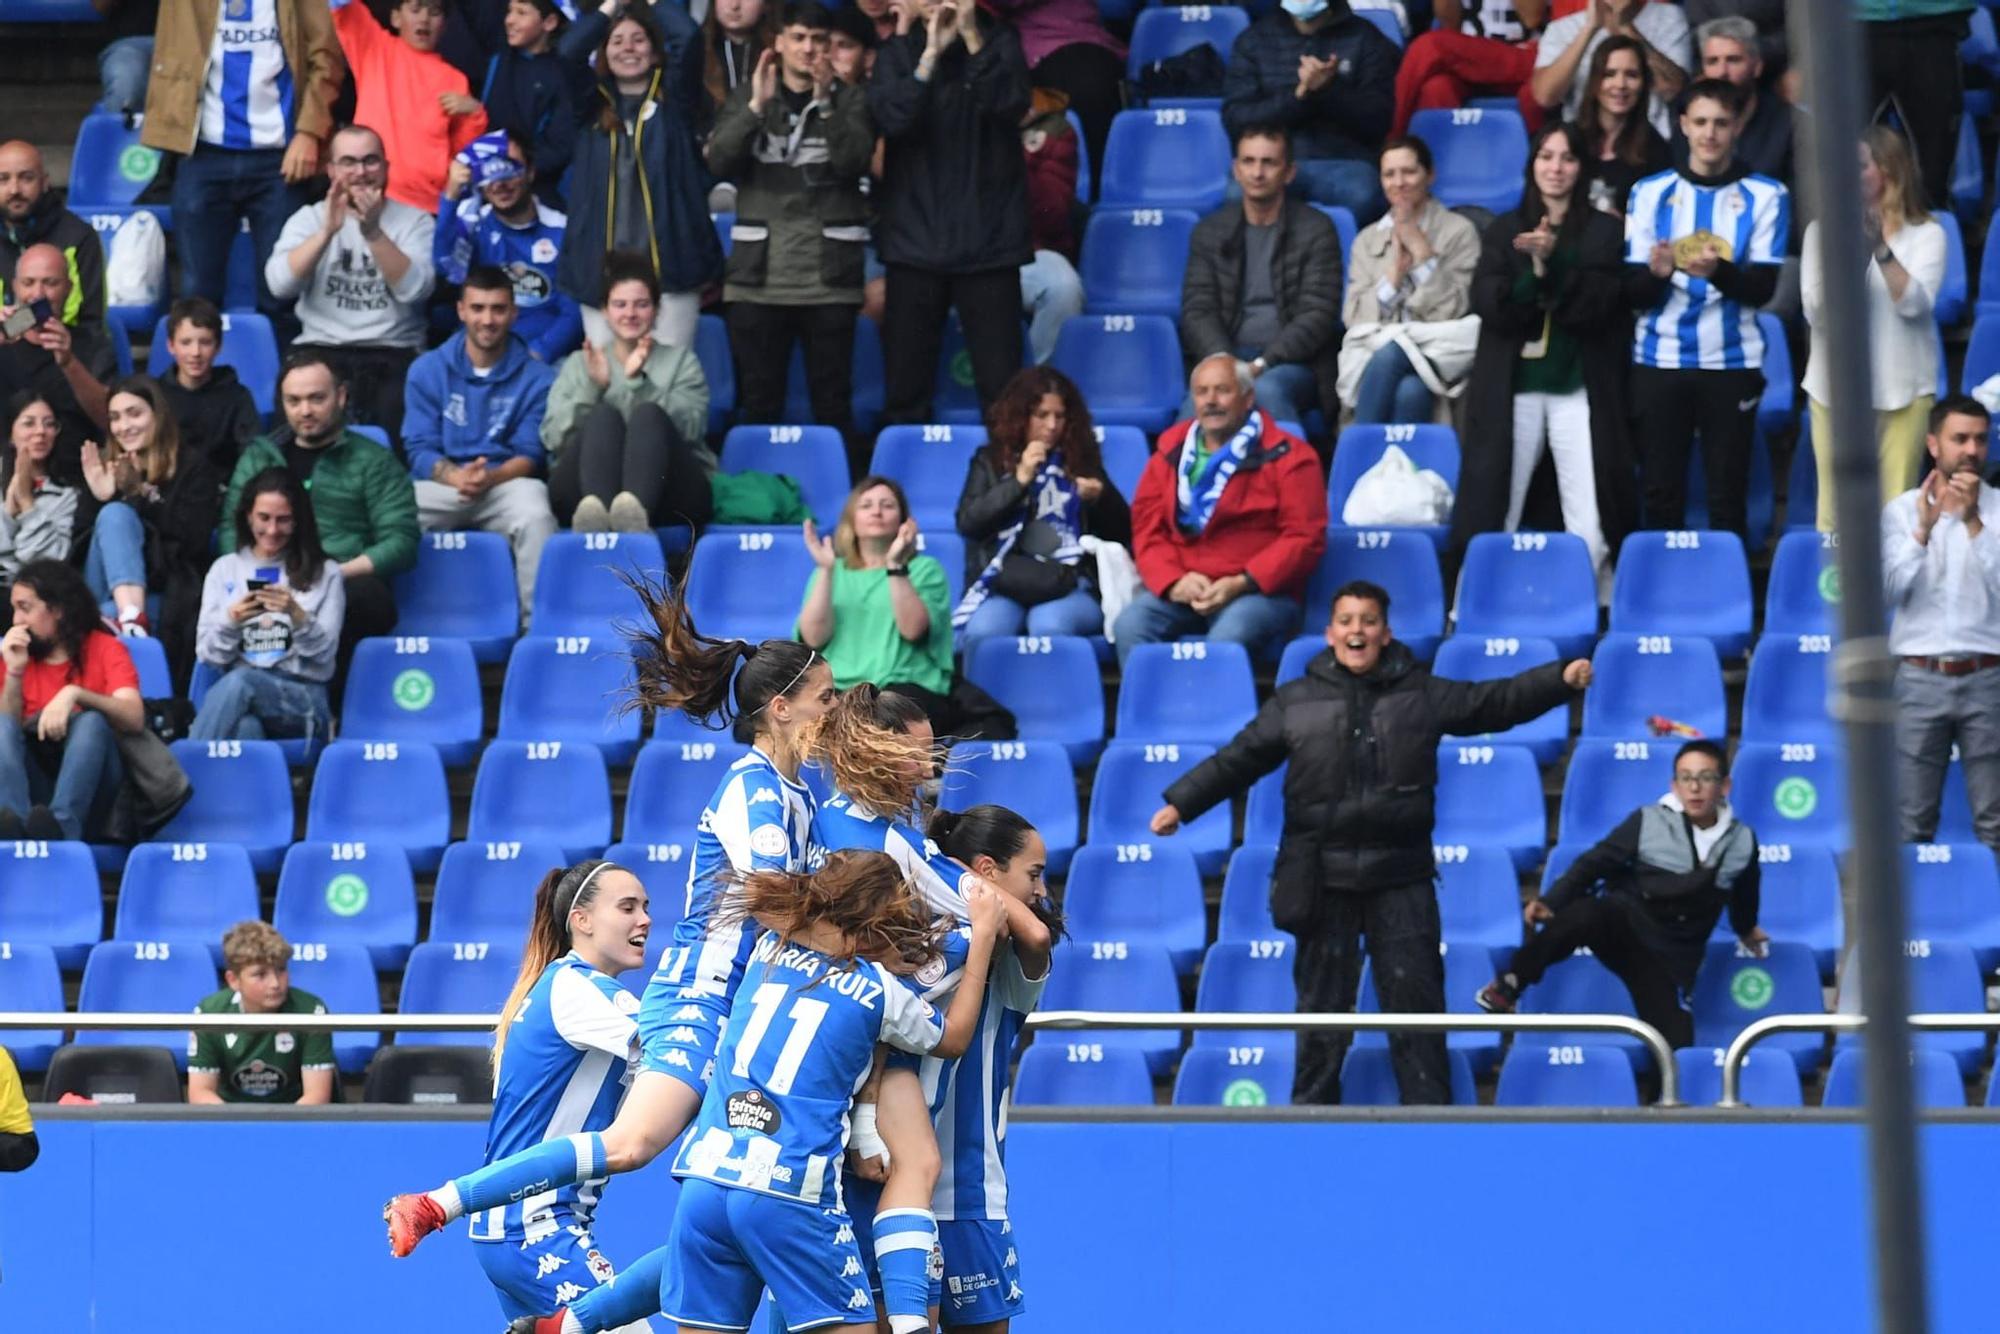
104, 666
396, 90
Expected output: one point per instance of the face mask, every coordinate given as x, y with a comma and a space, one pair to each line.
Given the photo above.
1305, 10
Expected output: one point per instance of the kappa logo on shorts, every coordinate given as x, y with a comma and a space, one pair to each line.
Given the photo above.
852, 1268
1014, 1291
681, 1034
675, 1056
548, 1264
859, 1301
599, 1267
1010, 1262
685, 1013
568, 1292
844, 1236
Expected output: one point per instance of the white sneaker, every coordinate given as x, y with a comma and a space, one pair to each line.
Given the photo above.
590, 516
628, 515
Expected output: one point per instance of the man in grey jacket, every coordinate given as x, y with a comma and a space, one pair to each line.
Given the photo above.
1263, 283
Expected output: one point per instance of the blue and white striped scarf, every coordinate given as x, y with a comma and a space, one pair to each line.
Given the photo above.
1194, 509
1052, 500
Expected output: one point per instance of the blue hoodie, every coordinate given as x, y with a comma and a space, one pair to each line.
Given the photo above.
451, 413
469, 232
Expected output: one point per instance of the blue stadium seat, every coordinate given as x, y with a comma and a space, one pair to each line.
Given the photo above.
30, 982
1264, 809
505, 872
1167, 31
462, 588
1954, 894
1684, 583
1949, 304
1125, 450
349, 894
1607, 780
1034, 778
671, 784
457, 977
145, 976
1518, 584
1955, 807
1404, 562
466, 908
1791, 792
1581, 984
49, 896
1246, 895
343, 977
1386, 23
1127, 367
1345, 225
1778, 410
1485, 658
149, 659
1169, 157
1491, 796
1247, 977
663, 869
1944, 979
1146, 894
1108, 978
1198, 690
1785, 698
388, 793
1481, 155
1939, 1082
416, 688
1735, 989
1802, 486
109, 165
1049, 683
1479, 899
579, 591
542, 791
748, 584
1083, 173
249, 344
1768, 1079
571, 688
299, 751
1640, 677
1466, 970
813, 456
1968, 172
1989, 287
242, 794
1134, 259
947, 548
931, 463
718, 367
1127, 790
1431, 448
1803, 596
185, 891
1234, 1077
1060, 1071
1537, 1074
1799, 900
1368, 1079
1982, 353
1298, 654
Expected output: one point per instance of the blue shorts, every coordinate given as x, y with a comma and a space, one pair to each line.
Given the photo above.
728, 1245
680, 1031
864, 1201
982, 1275
537, 1277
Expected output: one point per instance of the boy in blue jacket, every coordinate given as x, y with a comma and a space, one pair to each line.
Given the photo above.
489, 216
529, 68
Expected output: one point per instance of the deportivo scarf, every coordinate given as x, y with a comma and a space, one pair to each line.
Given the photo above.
1198, 496
1051, 500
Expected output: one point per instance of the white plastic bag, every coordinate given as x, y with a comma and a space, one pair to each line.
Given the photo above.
1396, 493
135, 267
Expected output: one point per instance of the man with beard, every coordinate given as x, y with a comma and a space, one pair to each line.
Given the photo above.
33, 214
67, 688
1942, 576
1360, 731
490, 215
70, 367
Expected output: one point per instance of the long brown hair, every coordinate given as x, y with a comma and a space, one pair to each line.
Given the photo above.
865, 742
160, 458
607, 115
562, 892
677, 668
1631, 143
715, 78
861, 894
305, 558
1007, 422
1902, 192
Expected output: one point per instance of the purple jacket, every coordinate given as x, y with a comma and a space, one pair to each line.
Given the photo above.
1046, 25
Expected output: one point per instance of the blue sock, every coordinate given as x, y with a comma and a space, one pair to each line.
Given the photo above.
555, 1163
904, 1239
632, 1296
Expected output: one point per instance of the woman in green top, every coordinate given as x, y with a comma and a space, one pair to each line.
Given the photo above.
1549, 377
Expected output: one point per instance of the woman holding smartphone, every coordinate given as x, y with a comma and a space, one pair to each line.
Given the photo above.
270, 619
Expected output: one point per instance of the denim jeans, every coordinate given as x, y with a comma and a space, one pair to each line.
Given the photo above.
124, 68
253, 703
1075, 613
1350, 183
1050, 293
1258, 621
81, 790
215, 189
1391, 390
117, 555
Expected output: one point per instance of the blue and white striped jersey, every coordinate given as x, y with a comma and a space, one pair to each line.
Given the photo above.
800, 1041
563, 1072
840, 825
247, 99
1696, 327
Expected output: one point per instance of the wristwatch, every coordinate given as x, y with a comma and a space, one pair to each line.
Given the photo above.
1883, 254
897, 571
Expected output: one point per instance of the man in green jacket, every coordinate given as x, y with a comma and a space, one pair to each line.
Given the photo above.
362, 496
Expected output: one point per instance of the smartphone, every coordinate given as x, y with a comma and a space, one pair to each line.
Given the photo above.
263, 578
26, 317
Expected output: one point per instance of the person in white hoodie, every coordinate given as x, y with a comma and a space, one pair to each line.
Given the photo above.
270, 619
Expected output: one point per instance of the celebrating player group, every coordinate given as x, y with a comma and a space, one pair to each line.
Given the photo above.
831, 1025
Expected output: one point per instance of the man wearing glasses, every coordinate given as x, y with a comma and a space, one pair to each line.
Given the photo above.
1666, 873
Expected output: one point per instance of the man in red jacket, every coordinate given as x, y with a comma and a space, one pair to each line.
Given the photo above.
1227, 523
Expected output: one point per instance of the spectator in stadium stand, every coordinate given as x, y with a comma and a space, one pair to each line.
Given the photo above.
639, 183
38, 512
948, 94
67, 688
126, 60
1413, 266
530, 69
1703, 248
1645, 899
492, 215
1905, 269
1549, 375
1943, 584
359, 266
1620, 144
1567, 44
1261, 276
1479, 48
68, 367
473, 428
246, 104
1228, 521
881, 14
31, 214
1051, 290
1359, 732
1912, 50
1727, 48
851, 43
1773, 45
797, 145
270, 619
1031, 492
271, 1067
18, 1146
734, 37
421, 106
625, 429
1070, 51
363, 500
1329, 76
216, 413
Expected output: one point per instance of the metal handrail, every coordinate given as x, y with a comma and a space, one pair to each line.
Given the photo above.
1738, 1050
1059, 1020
